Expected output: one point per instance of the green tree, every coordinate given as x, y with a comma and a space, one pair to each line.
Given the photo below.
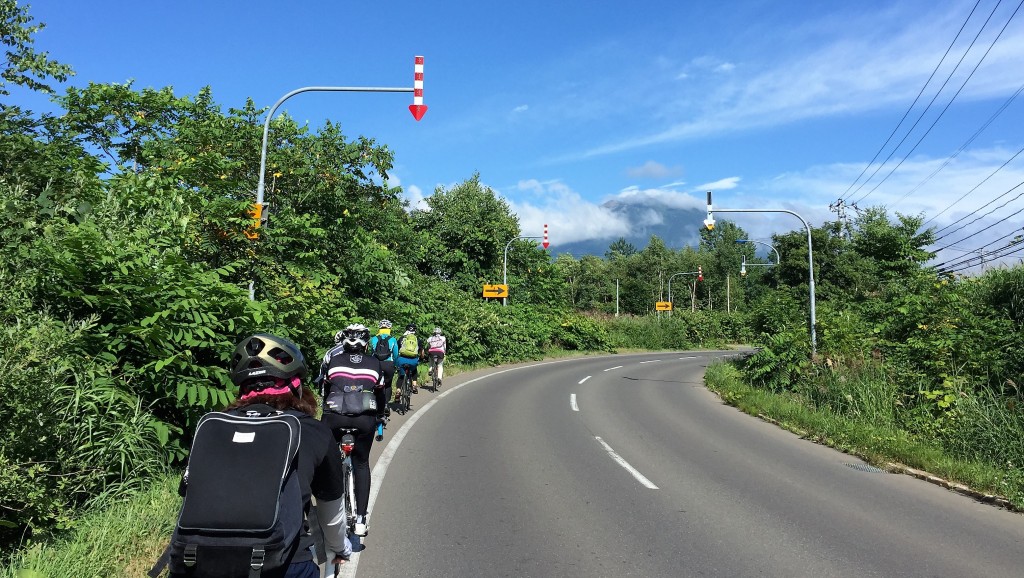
465, 230
22, 65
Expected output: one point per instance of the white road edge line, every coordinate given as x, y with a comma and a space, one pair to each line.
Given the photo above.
687, 358
636, 474
348, 570
616, 367
572, 402
584, 379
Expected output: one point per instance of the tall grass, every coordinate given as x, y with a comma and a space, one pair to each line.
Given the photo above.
123, 539
862, 414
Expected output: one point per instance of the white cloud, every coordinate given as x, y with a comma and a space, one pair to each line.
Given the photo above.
855, 66
569, 216
908, 191
659, 196
655, 170
521, 108
416, 199
719, 185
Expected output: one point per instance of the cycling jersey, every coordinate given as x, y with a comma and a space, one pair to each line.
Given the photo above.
437, 344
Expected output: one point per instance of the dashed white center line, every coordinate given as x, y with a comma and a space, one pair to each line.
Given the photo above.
688, 357
584, 379
651, 361
616, 367
636, 474
572, 402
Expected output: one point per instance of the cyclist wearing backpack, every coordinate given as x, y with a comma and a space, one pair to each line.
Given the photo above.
409, 353
437, 346
354, 398
273, 455
385, 348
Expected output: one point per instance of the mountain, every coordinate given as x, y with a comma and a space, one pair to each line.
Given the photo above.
677, 227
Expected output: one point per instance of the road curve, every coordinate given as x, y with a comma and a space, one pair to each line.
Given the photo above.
625, 465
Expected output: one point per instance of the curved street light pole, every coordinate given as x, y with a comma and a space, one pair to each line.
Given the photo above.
810, 255
504, 267
778, 260
261, 188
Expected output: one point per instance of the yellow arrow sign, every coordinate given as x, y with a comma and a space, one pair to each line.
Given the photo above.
663, 306
495, 291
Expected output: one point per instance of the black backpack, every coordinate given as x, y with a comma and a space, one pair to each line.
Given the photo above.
243, 511
382, 350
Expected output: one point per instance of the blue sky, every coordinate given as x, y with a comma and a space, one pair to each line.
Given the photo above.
561, 106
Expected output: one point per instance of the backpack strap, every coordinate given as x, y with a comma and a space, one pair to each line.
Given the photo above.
256, 562
161, 562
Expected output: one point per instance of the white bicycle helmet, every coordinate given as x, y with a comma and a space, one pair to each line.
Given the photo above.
355, 337
385, 324
437, 331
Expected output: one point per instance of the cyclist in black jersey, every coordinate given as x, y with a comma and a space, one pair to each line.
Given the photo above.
353, 393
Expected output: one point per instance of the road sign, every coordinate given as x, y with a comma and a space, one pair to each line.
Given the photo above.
495, 291
546, 244
417, 108
663, 306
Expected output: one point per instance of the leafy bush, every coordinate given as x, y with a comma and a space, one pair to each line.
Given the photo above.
580, 332
71, 434
779, 364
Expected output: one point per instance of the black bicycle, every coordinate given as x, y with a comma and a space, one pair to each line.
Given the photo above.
348, 443
435, 381
404, 389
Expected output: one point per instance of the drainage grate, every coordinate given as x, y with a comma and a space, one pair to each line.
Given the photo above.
865, 468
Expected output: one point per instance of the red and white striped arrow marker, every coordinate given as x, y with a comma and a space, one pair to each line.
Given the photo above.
417, 108
545, 243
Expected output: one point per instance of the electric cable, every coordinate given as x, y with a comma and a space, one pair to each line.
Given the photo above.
928, 107
975, 220
966, 80
962, 148
916, 98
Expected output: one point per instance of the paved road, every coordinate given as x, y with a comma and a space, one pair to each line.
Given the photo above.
624, 465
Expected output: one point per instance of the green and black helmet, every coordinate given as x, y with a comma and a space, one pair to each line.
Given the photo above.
263, 357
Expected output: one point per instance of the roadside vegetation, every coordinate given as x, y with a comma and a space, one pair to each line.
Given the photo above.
129, 252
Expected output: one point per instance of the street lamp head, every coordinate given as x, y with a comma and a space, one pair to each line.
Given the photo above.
709, 223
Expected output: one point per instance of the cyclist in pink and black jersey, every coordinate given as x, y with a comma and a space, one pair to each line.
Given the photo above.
437, 347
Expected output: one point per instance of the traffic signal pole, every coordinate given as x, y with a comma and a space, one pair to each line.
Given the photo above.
710, 224
417, 109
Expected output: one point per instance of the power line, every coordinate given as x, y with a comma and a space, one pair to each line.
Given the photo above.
948, 233
969, 76
930, 103
983, 181
983, 230
957, 153
916, 98
1006, 250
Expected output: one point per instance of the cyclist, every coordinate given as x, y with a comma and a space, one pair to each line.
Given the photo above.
268, 371
409, 352
437, 346
353, 391
385, 348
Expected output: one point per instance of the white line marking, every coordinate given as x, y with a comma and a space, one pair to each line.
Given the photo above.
687, 358
572, 402
616, 367
380, 468
584, 379
640, 477
651, 361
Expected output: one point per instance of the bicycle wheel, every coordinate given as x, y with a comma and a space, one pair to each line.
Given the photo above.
406, 391
350, 496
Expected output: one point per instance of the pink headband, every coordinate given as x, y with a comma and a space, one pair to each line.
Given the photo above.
279, 389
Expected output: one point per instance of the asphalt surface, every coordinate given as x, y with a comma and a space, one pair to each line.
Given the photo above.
625, 465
